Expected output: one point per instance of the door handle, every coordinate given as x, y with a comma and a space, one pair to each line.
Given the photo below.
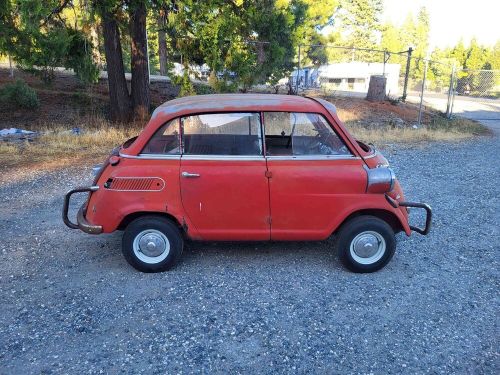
190, 175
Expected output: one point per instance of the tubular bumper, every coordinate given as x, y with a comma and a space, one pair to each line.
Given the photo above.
82, 223
426, 207
428, 218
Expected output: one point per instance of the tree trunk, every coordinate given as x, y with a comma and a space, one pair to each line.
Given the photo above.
140, 71
162, 42
376, 89
120, 104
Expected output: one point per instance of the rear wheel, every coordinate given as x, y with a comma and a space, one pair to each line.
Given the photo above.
152, 244
365, 244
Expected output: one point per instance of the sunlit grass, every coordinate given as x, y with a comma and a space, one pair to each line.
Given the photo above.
59, 143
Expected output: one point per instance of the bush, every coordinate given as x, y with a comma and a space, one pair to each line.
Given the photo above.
202, 89
19, 94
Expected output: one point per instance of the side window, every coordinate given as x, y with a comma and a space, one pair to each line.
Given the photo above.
222, 134
165, 140
301, 134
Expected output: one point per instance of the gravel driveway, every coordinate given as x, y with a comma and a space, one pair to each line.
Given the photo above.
69, 303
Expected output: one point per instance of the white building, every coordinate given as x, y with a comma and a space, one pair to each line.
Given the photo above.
351, 77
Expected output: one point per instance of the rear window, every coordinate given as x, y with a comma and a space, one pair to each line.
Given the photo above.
222, 134
165, 140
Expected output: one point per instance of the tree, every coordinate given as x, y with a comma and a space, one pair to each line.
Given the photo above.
162, 41
391, 39
243, 42
120, 103
141, 96
41, 37
361, 21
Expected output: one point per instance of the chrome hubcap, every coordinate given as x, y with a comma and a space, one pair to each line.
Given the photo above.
367, 247
151, 246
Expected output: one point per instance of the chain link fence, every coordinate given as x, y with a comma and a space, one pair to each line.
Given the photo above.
347, 71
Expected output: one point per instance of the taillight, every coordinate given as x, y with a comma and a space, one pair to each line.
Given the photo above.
380, 180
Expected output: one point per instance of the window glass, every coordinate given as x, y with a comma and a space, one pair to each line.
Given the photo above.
301, 134
165, 140
222, 134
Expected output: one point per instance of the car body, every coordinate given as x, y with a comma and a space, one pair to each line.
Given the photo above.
243, 167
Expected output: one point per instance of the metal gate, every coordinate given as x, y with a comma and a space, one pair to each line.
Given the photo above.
475, 94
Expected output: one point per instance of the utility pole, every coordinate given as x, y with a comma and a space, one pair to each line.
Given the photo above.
450, 91
419, 121
298, 76
407, 73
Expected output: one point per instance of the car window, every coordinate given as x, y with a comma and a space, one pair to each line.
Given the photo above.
290, 133
165, 140
222, 134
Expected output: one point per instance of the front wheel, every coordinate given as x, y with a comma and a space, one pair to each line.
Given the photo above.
365, 244
152, 244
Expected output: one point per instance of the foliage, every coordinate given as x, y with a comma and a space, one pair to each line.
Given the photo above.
361, 20
40, 38
19, 94
186, 86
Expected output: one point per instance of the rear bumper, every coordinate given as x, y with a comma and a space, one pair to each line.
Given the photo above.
428, 213
81, 221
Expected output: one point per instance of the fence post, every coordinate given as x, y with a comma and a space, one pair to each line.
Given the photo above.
419, 121
407, 73
298, 76
385, 60
450, 91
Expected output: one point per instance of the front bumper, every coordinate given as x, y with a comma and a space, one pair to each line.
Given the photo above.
428, 210
81, 221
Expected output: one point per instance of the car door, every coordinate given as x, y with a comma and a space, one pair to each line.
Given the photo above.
223, 180
314, 177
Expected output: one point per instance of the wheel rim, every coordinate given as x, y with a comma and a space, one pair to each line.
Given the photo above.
151, 246
367, 247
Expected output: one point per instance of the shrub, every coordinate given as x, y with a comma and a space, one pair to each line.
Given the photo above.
19, 94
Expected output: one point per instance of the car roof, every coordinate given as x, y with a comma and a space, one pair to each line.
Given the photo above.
238, 102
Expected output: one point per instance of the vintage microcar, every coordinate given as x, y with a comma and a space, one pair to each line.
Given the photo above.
246, 167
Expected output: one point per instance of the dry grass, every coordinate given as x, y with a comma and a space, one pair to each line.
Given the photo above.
440, 129
58, 144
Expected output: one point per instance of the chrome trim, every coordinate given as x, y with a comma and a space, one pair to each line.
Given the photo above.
151, 156
314, 157
372, 155
239, 157
224, 157
380, 176
190, 175
393, 178
96, 169
135, 191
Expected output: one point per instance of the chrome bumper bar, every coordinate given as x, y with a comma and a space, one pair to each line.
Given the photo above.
81, 221
426, 207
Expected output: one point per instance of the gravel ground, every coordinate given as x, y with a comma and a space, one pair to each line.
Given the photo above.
69, 303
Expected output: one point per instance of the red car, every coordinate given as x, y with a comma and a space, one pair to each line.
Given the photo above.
246, 167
